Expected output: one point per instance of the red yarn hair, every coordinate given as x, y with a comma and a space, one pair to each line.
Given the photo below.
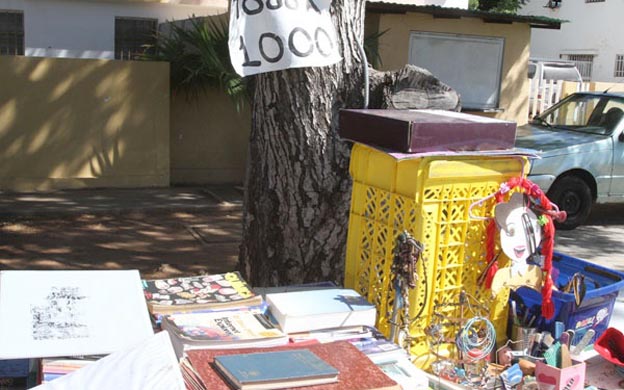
549, 212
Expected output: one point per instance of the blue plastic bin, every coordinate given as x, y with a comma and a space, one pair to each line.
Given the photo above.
594, 312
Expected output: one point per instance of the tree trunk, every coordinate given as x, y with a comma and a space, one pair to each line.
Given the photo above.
298, 186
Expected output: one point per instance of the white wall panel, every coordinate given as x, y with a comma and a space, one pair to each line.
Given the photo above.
79, 29
593, 28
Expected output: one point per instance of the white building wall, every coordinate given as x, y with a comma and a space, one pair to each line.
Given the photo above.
442, 3
86, 29
593, 28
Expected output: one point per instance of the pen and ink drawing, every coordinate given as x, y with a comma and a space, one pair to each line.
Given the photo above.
61, 315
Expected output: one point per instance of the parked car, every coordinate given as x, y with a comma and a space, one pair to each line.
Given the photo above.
580, 144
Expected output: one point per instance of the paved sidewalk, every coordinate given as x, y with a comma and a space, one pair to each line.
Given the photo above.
94, 201
162, 232
600, 240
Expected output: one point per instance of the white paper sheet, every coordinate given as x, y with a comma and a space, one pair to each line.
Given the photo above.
70, 313
149, 365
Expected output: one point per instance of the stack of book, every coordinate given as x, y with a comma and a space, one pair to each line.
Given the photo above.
215, 332
222, 329
332, 344
328, 315
317, 310
211, 311
203, 293
329, 366
318, 329
54, 368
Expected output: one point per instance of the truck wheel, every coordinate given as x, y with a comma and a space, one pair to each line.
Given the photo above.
572, 194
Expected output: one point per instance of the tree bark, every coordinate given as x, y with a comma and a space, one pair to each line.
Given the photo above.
298, 187
411, 87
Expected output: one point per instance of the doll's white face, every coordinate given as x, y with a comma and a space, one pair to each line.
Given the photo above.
520, 232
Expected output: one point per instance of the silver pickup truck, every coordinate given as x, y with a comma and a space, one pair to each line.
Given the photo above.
580, 144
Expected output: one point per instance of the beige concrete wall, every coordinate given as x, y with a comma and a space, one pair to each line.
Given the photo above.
569, 87
184, 3
69, 123
209, 140
394, 51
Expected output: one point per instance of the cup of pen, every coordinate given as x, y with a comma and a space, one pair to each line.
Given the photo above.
521, 337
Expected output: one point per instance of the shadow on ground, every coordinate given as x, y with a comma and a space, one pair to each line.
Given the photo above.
158, 244
599, 240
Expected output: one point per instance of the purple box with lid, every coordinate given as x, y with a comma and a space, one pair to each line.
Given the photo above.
421, 131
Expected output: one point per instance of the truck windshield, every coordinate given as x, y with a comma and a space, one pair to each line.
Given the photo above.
595, 114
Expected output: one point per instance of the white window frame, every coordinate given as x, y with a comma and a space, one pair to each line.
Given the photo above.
584, 63
618, 70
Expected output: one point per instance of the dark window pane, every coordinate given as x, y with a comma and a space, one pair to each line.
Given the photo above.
132, 36
11, 33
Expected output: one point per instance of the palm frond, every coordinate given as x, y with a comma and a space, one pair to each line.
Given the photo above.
198, 53
371, 48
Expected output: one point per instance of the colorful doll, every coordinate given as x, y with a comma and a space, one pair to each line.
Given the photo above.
525, 224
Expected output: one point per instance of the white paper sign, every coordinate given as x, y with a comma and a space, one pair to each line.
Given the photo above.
269, 35
69, 313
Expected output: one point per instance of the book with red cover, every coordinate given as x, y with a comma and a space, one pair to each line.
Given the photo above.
356, 371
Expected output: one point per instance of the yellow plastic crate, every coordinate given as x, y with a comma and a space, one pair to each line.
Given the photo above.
430, 197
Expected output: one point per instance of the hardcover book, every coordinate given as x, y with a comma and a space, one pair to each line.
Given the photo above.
234, 329
275, 369
302, 311
355, 370
14, 368
194, 293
